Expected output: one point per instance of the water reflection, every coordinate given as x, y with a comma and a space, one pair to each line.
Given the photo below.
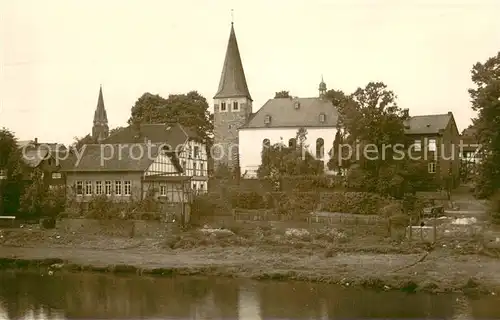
65, 295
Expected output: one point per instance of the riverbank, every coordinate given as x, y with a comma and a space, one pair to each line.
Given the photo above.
438, 271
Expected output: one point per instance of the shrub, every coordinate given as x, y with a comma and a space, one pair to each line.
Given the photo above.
353, 202
495, 207
210, 204
246, 200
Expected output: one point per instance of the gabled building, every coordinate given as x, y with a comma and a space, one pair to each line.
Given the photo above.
187, 149
436, 140
240, 134
44, 156
470, 155
126, 172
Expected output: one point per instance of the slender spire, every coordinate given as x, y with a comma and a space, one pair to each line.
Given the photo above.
233, 82
100, 116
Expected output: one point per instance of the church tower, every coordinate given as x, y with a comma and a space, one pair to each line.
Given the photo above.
322, 88
100, 129
232, 107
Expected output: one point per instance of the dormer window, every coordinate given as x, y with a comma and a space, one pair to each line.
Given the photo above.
267, 119
223, 106
296, 105
322, 117
235, 106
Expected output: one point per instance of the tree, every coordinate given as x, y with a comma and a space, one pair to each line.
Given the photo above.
114, 130
282, 94
33, 195
12, 167
374, 124
486, 102
190, 110
280, 160
80, 142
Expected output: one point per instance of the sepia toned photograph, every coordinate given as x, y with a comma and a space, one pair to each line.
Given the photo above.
323, 159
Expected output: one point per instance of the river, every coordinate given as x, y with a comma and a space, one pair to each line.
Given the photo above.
31, 295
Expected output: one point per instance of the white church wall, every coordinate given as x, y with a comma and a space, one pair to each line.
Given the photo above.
250, 143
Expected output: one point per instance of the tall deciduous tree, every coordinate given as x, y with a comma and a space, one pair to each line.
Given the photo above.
486, 101
190, 110
80, 142
12, 169
375, 126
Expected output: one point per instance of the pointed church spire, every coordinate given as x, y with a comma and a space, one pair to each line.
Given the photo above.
100, 116
233, 82
100, 129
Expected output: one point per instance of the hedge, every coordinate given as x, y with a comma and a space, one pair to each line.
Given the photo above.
353, 202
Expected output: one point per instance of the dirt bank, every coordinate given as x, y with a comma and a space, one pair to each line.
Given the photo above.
438, 271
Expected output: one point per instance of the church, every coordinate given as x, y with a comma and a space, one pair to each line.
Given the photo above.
240, 133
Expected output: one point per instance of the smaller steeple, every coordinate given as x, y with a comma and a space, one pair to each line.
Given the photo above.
322, 88
100, 129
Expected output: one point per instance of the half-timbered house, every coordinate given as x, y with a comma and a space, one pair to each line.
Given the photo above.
188, 153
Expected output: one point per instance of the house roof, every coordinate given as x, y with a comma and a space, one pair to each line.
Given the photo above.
172, 134
33, 154
112, 158
232, 82
283, 113
427, 124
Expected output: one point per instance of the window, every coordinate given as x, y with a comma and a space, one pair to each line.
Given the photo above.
3, 173
432, 144
56, 175
163, 191
107, 187
291, 143
79, 188
184, 166
118, 187
194, 186
417, 145
194, 168
202, 169
88, 188
127, 187
196, 152
267, 119
320, 150
222, 106
266, 143
98, 187
432, 167
202, 186
235, 105
322, 117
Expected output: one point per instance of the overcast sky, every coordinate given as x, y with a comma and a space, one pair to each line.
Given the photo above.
56, 53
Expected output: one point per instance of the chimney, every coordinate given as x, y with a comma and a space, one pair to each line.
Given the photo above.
36, 141
450, 113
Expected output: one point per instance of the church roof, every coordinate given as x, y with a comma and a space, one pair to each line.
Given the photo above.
100, 115
284, 112
233, 82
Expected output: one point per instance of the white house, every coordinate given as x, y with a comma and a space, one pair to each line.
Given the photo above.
241, 133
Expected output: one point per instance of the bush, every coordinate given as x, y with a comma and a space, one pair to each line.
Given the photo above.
210, 204
495, 207
247, 200
353, 202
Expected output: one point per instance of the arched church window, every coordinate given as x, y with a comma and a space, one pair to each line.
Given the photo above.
320, 150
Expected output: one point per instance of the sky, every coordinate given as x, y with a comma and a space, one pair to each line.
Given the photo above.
54, 54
